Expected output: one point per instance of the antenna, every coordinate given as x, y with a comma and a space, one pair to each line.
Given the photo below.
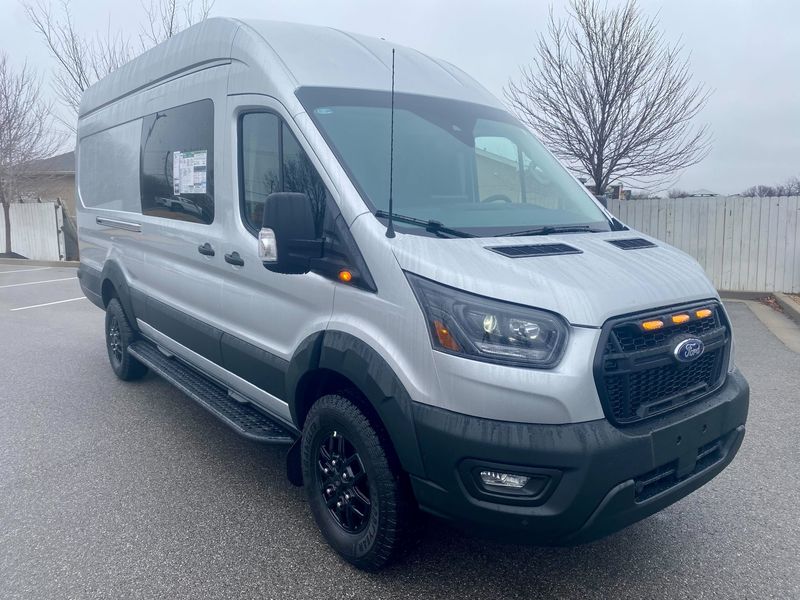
390, 226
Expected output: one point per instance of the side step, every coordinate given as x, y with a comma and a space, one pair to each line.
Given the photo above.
244, 418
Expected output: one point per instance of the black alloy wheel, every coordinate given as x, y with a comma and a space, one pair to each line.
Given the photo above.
344, 483
114, 340
119, 335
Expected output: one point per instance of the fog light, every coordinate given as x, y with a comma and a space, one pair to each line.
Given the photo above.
503, 480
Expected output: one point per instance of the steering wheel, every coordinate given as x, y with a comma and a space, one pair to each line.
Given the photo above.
498, 198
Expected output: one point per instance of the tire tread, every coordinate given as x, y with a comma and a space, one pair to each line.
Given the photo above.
398, 508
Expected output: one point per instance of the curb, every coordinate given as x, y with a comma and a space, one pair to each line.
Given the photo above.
789, 306
753, 296
18, 262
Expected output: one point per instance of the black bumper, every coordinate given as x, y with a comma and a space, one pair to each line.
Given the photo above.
587, 479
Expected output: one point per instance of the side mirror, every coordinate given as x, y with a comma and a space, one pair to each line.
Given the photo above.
287, 241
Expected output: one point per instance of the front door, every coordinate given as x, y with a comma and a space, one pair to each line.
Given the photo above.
267, 315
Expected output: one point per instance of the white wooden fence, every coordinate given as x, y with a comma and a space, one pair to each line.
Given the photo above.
36, 230
744, 244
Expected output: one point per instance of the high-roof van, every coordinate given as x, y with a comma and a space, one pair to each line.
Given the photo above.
345, 246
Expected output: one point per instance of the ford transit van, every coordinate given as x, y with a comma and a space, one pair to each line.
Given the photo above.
382, 269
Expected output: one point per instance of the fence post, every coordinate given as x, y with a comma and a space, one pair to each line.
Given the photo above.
62, 252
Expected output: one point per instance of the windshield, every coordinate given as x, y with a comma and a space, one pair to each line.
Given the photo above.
467, 166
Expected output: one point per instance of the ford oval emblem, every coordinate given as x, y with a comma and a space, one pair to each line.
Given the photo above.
689, 350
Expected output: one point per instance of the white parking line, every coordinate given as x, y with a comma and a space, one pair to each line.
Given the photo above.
36, 282
48, 303
25, 270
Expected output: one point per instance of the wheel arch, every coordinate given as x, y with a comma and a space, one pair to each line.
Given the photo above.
330, 361
114, 284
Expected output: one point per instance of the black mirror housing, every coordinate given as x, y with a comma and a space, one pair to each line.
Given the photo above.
290, 216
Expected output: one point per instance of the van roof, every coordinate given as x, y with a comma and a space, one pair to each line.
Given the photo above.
308, 56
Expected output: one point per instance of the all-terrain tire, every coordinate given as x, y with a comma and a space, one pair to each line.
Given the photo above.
119, 335
390, 527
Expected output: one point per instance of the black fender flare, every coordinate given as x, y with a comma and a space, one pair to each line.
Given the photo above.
113, 272
356, 360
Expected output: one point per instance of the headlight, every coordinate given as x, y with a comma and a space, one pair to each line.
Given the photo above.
490, 330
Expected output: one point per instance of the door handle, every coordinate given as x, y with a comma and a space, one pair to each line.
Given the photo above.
206, 249
234, 259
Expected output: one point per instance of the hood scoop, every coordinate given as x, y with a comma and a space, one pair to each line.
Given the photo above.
534, 250
632, 243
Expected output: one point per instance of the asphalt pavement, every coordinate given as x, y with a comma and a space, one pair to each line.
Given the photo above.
131, 490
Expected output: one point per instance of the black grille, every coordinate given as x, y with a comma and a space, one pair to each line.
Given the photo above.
535, 250
631, 338
638, 377
632, 243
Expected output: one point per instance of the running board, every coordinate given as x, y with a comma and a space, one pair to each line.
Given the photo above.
243, 417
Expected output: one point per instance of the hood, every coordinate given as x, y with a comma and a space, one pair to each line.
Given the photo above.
586, 288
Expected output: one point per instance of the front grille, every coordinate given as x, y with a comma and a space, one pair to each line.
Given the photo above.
631, 339
636, 374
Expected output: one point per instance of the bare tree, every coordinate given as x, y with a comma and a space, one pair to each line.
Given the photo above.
165, 18
790, 188
611, 97
26, 131
82, 60
678, 193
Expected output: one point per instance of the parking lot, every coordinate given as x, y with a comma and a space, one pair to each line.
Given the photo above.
131, 490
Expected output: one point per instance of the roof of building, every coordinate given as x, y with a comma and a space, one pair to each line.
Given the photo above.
702, 192
61, 164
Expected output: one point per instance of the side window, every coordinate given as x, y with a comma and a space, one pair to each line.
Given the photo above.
272, 160
177, 163
108, 166
261, 163
299, 175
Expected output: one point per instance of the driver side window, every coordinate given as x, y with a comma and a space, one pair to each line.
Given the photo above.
272, 160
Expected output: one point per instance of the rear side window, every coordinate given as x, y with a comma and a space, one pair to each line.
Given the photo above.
272, 160
107, 169
177, 160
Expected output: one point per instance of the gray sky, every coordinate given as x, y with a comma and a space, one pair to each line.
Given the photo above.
747, 51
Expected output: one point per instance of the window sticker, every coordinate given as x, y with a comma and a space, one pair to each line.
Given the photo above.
189, 172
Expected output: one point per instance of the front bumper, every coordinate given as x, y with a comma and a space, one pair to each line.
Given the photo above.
596, 478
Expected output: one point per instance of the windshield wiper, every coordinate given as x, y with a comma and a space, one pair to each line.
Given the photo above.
548, 229
431, 226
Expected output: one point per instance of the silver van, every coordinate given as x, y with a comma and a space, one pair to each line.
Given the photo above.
353, 249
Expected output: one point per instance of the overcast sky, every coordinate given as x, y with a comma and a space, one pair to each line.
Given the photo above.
747, 51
